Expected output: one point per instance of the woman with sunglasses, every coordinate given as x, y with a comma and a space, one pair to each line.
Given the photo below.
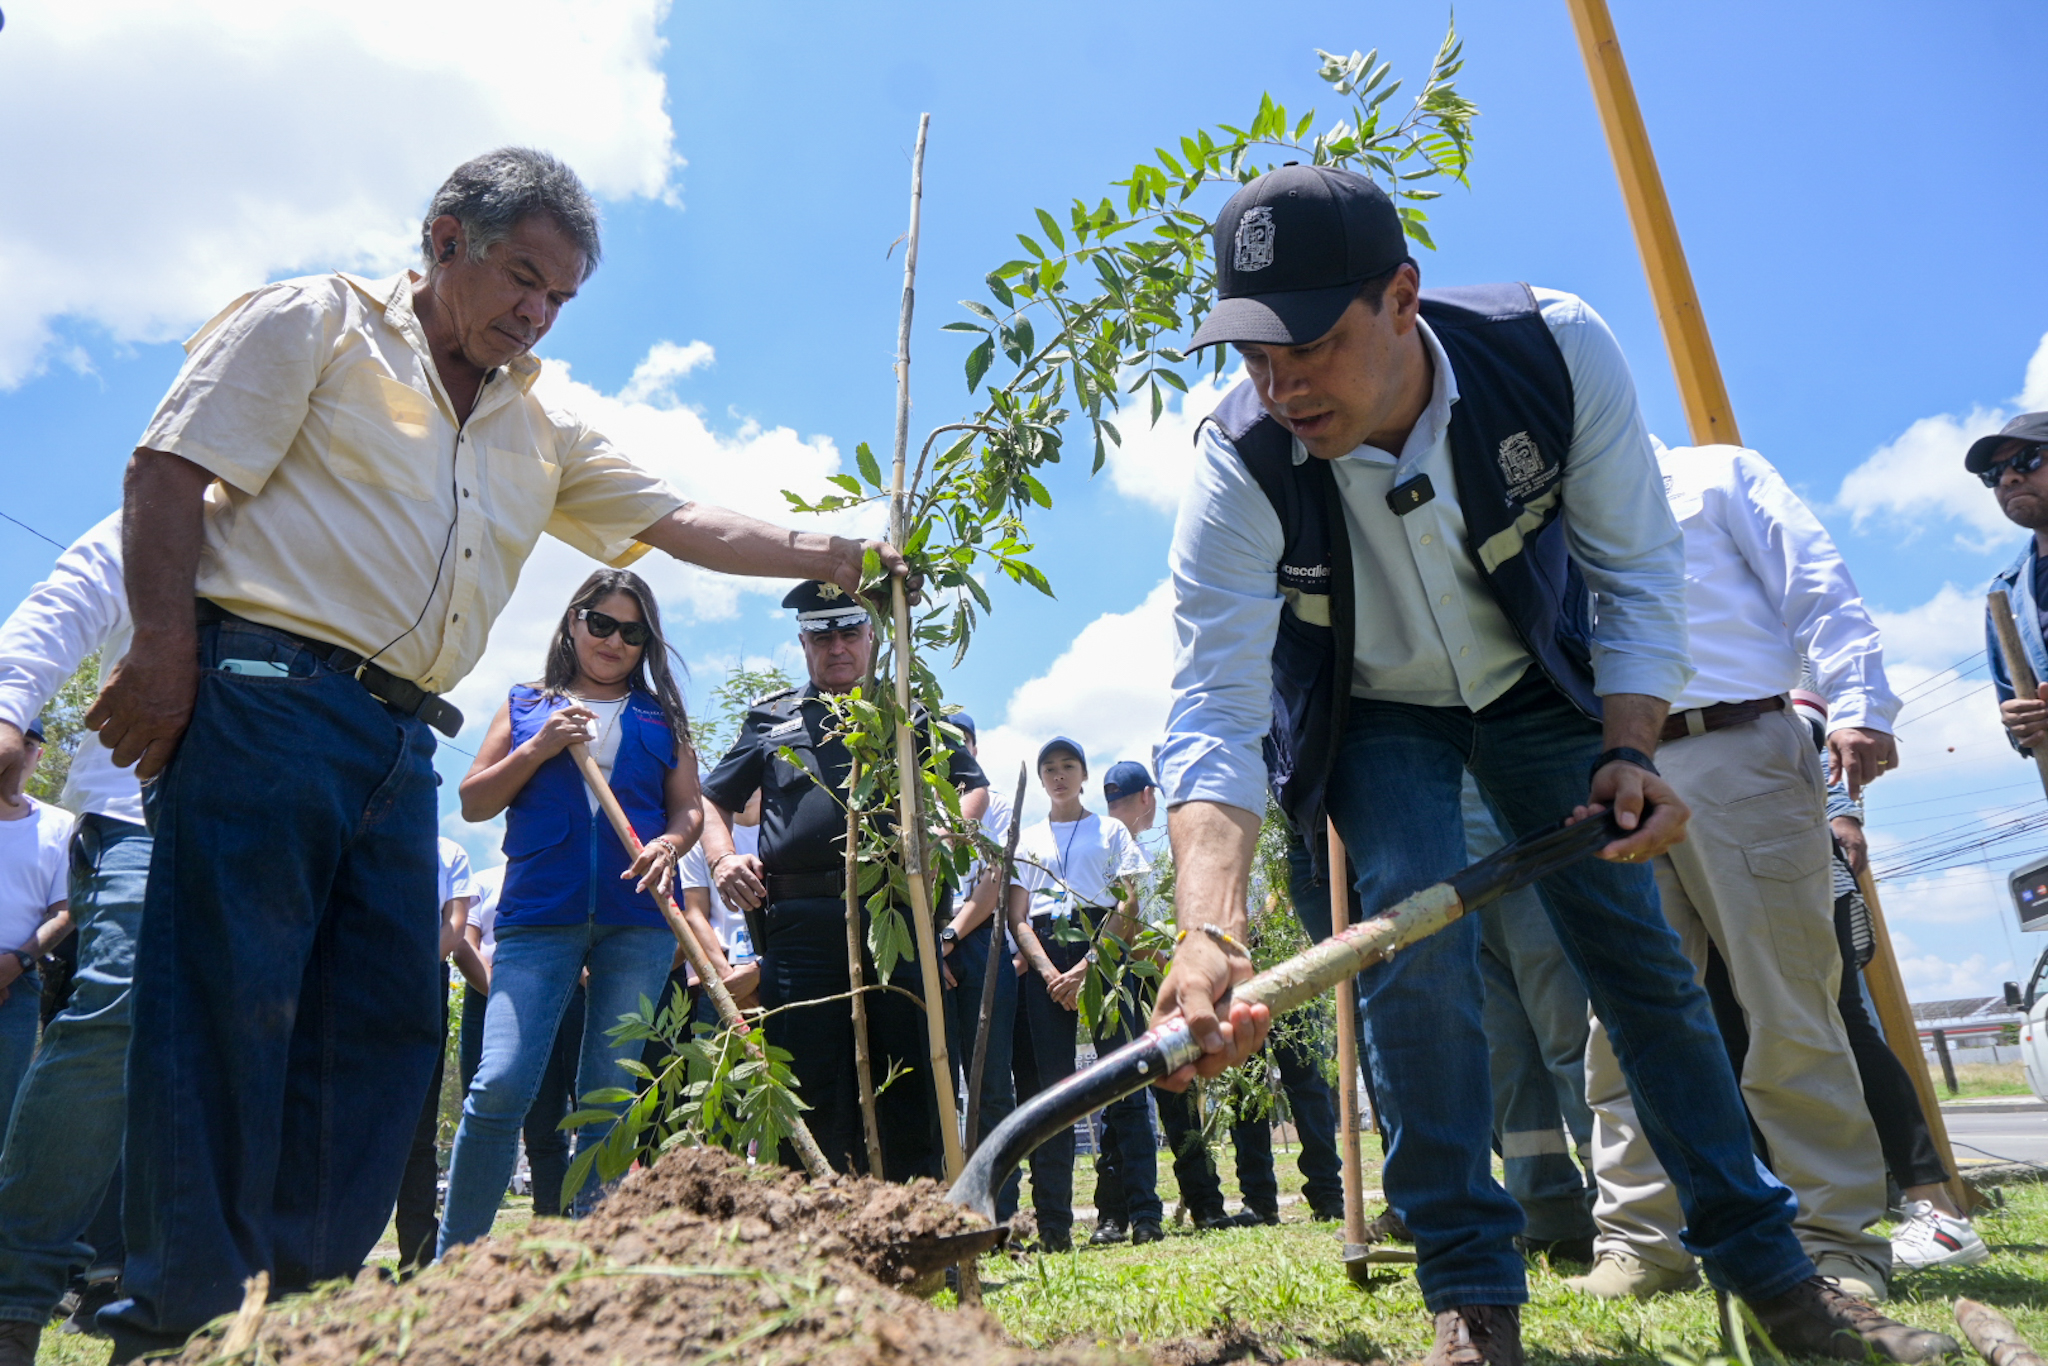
572, 899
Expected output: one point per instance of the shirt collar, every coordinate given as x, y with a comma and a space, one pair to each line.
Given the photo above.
1436, 416
392, 296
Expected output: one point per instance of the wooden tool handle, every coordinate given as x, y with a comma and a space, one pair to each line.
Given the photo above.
1353, 1160
2018, 667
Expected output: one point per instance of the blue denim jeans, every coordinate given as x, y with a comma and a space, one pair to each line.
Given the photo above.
64, 1141
1394, 794
20, 1016
1536, 1032
285, 1008
969, 965
533, 976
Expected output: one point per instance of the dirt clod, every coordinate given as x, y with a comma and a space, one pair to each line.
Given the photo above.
697, 1259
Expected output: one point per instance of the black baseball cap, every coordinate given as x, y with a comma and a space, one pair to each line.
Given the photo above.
1292, 248
2025, 427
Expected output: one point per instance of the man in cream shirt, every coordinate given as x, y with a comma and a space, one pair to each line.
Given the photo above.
347, 476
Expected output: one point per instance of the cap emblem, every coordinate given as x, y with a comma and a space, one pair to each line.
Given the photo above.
829, 591
1254, 239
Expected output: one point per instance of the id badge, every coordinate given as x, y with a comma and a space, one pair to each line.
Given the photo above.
1060, 909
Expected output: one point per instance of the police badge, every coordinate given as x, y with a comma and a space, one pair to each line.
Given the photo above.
1254, 239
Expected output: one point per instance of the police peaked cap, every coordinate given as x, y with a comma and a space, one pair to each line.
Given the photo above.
821, 606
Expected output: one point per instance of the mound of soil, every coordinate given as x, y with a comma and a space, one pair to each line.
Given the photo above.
696, 1259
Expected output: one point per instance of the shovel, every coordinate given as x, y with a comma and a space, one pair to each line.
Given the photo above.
1166, 1048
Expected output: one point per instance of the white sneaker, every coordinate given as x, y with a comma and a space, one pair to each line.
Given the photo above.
1931, 1238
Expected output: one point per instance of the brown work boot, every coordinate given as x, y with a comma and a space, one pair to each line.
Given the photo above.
1388, 1228
1477, 1335
1816, 1319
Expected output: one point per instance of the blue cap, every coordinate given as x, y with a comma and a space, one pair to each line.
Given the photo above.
1057, 743
34, 730
966, 723
1126, 779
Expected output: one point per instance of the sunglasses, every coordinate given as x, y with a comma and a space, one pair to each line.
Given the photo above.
2026, 462
634, 633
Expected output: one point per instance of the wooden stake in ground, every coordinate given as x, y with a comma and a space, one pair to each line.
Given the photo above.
998, 931
1712, 419
807, 1149
1993, 1334
1707, 410
911, 832
856, 980
1347, 1065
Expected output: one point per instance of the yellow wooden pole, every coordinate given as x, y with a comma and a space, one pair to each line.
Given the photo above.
1350, 1158
1707, 410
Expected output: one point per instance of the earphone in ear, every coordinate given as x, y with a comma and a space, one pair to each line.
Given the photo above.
448, 252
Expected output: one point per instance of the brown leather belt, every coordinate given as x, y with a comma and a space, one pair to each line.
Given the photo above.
799, 886
1700, 720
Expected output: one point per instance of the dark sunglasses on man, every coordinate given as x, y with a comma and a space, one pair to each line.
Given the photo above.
634, 633
2025, 462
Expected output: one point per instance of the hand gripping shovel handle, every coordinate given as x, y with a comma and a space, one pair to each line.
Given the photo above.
1167, 1048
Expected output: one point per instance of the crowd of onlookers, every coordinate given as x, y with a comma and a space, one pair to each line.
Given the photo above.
228, 953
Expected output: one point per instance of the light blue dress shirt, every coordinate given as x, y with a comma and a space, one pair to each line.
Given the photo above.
1428, 630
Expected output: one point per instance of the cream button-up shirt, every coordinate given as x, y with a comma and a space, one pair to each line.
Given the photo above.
351, 504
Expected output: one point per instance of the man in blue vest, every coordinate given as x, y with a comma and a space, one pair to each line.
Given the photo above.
1385, 575
2012, 465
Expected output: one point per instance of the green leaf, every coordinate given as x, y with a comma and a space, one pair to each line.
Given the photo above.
978, 362
1022, 330
1000, 290
1036, 489
1031, 247
1052, 231
963, 327
845, 481
870, 468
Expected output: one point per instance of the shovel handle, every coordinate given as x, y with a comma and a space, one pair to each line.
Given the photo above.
1167, 1047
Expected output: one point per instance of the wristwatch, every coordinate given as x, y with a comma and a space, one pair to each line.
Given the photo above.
27, 961
949, 935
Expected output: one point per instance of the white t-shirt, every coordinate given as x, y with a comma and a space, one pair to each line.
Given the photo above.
483, 912
734, 939
605, 748
456, 879
35, 870
1060, 863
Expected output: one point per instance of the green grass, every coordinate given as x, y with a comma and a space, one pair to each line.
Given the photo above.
1986, 1079
1286, 1286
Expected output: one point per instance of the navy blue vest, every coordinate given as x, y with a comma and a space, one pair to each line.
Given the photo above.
562, 861
1510, 430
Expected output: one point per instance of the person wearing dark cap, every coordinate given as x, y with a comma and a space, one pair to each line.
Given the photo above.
2011, 465
1385, 574
1072, 901
793, 892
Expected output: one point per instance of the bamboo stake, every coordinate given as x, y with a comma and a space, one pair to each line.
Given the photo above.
2018, 667
800, 1138
1707, 410
856, 979
1347, 1060
911, 832
1993, 1334
1895, 1018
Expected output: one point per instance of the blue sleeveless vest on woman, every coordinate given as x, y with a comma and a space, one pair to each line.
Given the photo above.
562, 861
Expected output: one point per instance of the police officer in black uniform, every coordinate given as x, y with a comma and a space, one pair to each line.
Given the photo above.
794, 896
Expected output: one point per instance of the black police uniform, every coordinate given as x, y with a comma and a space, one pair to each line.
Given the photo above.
801, 937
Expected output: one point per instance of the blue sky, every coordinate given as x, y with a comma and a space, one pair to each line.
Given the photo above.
1858, 185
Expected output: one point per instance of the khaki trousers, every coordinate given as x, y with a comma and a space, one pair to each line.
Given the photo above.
1752, 877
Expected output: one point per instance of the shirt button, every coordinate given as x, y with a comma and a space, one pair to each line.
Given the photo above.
466, 554
1426, 538
465, 493
1464, 650
1445, 600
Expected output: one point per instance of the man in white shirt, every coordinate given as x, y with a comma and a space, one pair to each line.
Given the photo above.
64, 1141
35, 910
1764, 585
1073, 889
324, 517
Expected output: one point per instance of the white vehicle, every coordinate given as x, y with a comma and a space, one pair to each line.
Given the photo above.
2032, 1003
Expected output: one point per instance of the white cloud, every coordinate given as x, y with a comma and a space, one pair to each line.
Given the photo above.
1930, 977
1917, 481
166, 158
1155, 461
745, 469
666, 363
1108, 692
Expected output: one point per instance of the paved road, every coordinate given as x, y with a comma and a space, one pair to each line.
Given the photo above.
2021, 1137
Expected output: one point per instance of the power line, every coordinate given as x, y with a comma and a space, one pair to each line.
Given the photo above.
33, 532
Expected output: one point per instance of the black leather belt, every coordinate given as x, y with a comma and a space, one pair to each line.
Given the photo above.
797, 886
387, 687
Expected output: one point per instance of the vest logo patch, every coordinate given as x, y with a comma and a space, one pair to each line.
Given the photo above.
1523, 466
1254, 239
1305, 578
